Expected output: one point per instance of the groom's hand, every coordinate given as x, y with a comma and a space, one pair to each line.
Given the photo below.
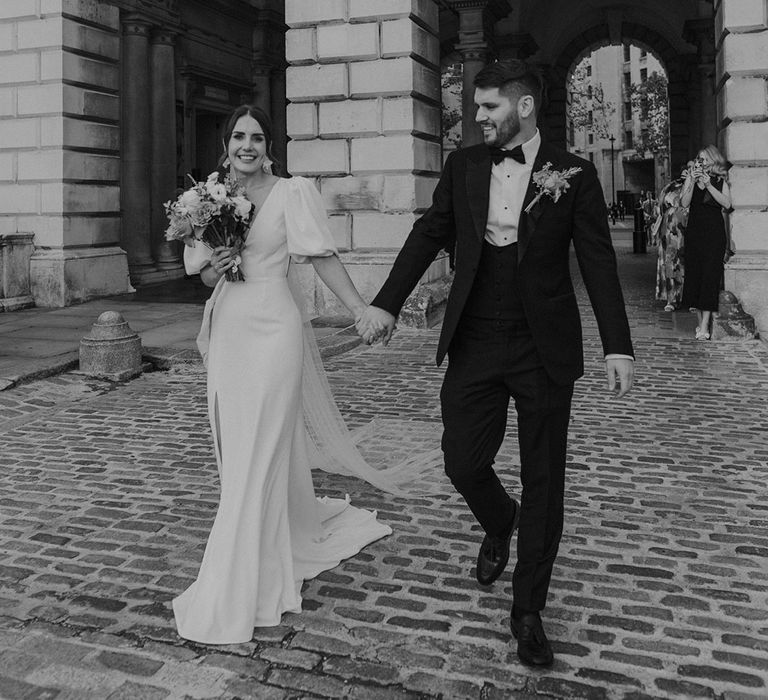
621, 371
374, 324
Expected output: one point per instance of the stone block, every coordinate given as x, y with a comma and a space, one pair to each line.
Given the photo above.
393, 76
424, 11
59, 65
318, 157
90, 166
402, 37
353, 193
408, 192
404, 114
316, 82
38, 33
748, 230
373, 230
40, 165
95, 13
79, 198
7, 102
301, 120
80, 134
40, 99
341, 229
745, 15
53, 231
403, 153
350, 118
19, 199
746, 98
94, 40
7, 166
18, 9
63, 277
301, 12
746, 275
300, 46
7, 37
746, 141
90, 103
20, 67
340, 42
15, 253
749, 186
745, 54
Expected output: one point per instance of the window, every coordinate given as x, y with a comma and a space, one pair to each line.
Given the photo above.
643, 53
589, 71
589, 92
627, 111
591, 139
626, 52
591, 156
589, 117
643, 75
627, 82
571, 134
628, 140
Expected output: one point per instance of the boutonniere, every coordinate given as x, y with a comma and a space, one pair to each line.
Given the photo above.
551, 183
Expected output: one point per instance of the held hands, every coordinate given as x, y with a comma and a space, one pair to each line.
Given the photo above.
375, 324
623, 370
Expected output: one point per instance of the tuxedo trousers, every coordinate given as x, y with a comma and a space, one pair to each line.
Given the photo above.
489, 362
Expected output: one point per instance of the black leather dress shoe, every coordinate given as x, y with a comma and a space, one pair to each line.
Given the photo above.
533, 646
494, 552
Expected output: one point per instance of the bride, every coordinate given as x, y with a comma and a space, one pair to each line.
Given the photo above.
270, 409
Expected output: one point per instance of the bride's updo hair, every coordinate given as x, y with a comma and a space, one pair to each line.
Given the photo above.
266, 124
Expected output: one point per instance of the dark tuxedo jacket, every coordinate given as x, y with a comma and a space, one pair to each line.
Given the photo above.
457, 220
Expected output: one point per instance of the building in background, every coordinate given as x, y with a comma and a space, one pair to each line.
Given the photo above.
106, 104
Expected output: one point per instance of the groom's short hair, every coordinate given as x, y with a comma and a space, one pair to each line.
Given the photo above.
513, 77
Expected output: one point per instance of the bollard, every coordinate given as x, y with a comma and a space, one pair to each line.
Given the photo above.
731, 322
111, 350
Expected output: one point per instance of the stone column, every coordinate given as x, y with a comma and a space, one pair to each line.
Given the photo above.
741, 29
701, 33
136, 187
163, 154
364, 120
474, 53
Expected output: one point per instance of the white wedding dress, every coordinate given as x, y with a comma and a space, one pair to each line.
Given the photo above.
270, 532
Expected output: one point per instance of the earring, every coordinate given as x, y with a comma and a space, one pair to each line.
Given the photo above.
266, 166
226, 163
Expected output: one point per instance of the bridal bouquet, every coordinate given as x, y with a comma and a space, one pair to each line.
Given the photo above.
215, 212
551, 183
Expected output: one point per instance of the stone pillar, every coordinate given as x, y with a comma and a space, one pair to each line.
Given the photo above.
741, 28
136, 181
59, 165
15, 254
364, 119
704, 117
163, 161
474, 55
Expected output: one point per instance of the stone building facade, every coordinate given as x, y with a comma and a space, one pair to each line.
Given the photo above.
105, 104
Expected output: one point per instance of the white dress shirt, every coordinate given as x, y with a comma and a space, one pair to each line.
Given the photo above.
509, 183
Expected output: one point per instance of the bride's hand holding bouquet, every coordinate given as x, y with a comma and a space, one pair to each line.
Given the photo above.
215, 212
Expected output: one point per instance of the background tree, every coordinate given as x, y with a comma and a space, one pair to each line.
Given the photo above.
451, 84
588, 108
651, 99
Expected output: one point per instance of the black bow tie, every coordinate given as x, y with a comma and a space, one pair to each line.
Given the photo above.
499, 154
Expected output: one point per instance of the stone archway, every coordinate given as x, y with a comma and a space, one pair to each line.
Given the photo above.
675, 64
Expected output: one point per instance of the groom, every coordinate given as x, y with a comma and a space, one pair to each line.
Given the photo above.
512, 326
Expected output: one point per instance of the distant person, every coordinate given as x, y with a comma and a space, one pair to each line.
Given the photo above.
622, 209
707, 193
650, 213
667, 235
614, 211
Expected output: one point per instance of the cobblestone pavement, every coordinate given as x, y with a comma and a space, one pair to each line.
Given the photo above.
660, 590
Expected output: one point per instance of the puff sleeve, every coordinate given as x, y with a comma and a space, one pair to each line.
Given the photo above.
196, 258
306, 222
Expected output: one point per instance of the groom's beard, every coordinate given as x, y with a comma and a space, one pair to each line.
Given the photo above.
504, 132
